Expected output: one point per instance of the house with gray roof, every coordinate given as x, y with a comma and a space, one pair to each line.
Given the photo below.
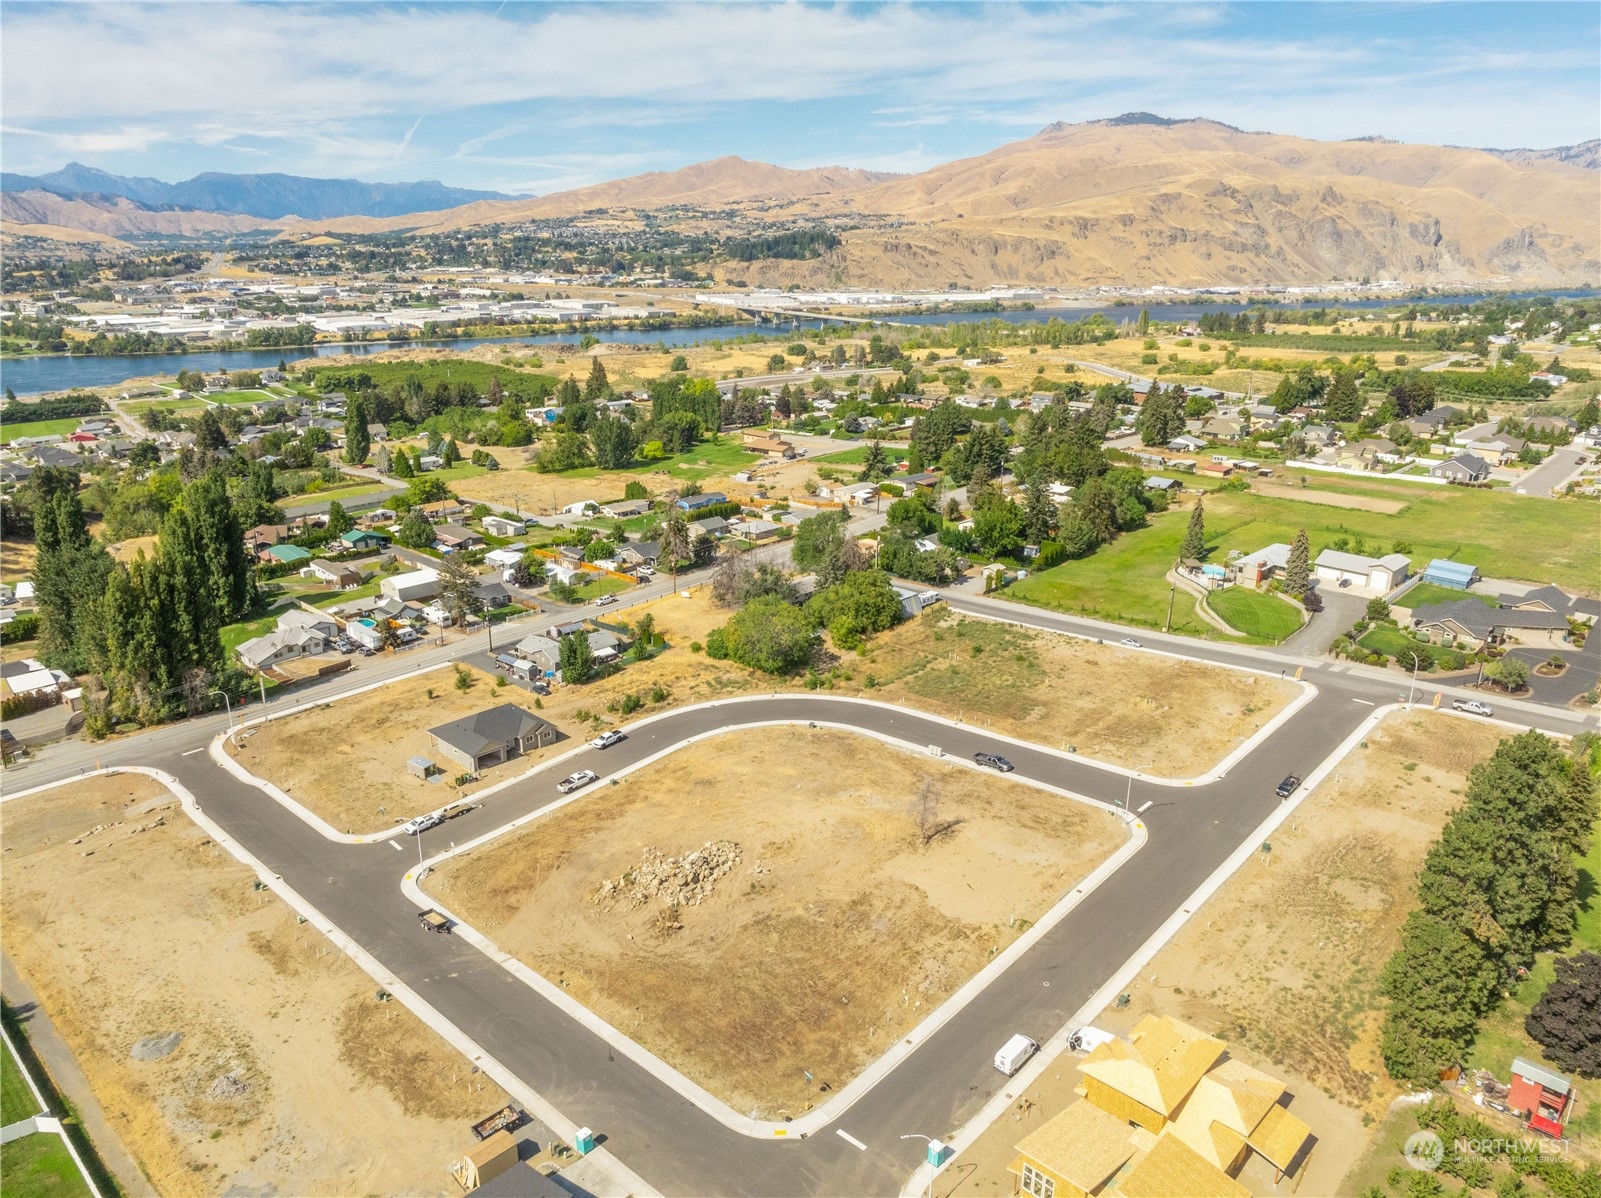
492, 736
1478, 624
1463, 468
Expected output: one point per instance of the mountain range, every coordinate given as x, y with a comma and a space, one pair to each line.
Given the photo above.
1135, 200
270, 197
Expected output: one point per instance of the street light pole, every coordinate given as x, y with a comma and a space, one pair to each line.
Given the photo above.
229, 703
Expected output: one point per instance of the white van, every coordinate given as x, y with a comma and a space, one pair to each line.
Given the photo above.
1015, 1053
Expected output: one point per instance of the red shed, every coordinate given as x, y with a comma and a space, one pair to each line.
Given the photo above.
1545, 1095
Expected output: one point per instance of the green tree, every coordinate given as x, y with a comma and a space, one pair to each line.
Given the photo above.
676, 545
1510, 673
449, 453
1298, 571
1077, 536
1438, 982
564, 450
1040, 513
208, 432
768, 634
822, 546
877, 464
1342, 401
998, 527
339, 520
862, 603
576, 658
357, 440
597, 386
1194, 546
402, 463
458, 588
612, 440
416, 531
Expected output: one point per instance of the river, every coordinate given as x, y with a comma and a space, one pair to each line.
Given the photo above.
30, 376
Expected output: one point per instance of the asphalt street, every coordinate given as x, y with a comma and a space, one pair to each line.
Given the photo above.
650, 1127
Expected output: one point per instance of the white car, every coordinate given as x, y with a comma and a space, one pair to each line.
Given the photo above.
1129, 642
646, 572
573, 781
607, 739
1473, 707
422, 823
603, 600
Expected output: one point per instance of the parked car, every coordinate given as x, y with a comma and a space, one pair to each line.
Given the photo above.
1473, 707
344, 645
603, 600
607, 739
1289, 786
1129, 642
646, 572
994, 761
573, 781
422, 823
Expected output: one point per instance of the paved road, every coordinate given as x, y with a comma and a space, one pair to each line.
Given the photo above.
1554, 472
650, 1127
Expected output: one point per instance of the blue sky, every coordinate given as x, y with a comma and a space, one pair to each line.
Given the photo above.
534, 97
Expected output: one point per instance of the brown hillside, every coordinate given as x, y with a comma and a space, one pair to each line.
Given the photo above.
720, 181
116, 216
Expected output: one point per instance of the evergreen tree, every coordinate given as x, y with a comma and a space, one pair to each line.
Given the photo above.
1342, 402
1439, 983
402, 464
576, 658
208, 432
69, 573
597, 386
416, 531
612, 441
877, 464
1040, 514
449, 453
458, 588
339, 520
229, 574
1298, 572
1194, 546
357, 440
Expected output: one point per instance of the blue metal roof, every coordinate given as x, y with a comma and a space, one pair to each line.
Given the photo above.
1450, 573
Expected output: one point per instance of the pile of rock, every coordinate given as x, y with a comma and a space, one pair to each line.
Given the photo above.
676, 881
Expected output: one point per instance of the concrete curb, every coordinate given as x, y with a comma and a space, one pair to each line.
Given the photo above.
1053, 1048
876, 1071
219, 754
546, 1112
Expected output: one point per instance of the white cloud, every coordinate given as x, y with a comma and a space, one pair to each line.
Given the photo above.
336, 89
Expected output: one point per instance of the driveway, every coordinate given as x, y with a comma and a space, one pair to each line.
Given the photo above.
1582, 675
1340, 611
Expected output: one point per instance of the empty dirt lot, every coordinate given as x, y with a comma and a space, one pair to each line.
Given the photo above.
1166, 717
346, 760
233, 1050
1285, 958
835, 932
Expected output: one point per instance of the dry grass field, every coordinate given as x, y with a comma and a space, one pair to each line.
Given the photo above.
1285, 958
235, 1051
346, 760
1165, 717
837, 930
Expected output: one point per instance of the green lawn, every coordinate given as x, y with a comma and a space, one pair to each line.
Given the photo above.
1392, 642
335, 492
1255, 613
39, 1166
234, 635
600, 584
857, 456
366, 590
1428, 592
704, 461
16, 1100
243, 397
1507, 536
452, 474
40, 428
1587, 932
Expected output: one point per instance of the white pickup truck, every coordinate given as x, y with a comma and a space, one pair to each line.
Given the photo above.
1473, 707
